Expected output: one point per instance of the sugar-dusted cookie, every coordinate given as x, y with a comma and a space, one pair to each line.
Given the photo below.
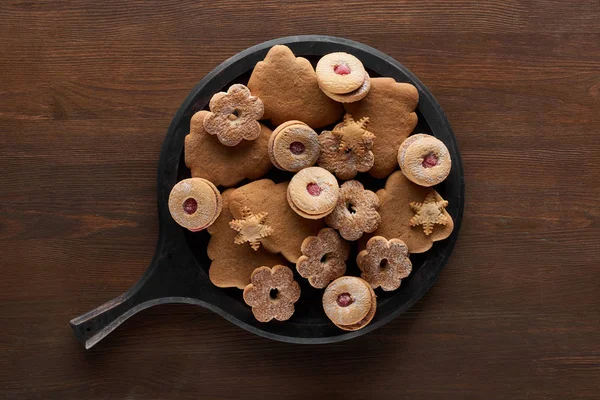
424, 159
207, 158
399, 200
195, 203
289, 228
288, 88
323, 258
384, 263
313, 192
293, 146
390, 107
340, 73
350, 303
272, 293
232, 264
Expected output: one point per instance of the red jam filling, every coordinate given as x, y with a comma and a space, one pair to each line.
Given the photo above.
190, 206
344, 300
429, 161
297, 148
341, 69
313, 189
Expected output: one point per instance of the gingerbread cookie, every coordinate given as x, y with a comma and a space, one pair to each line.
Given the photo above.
234, 115
207, 158
384, 263
323, 258
289, 228
355, 212
288, 88
390, 106
349, 303
424, 160
397, 213
293, 146
346, 150
195, 203
232, 264
429, 213
272, 293
251, 228
340, 73
313, 193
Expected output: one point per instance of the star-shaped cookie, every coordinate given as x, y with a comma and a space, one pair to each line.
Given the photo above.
251, 228
354, 135
429, 213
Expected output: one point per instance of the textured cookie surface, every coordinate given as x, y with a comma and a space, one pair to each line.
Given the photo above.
390, 106
288, 88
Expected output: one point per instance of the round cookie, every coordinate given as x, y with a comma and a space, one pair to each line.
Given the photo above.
349, 302
340, 73
195, 203
424, 160
293, 146
354, 95
313, 193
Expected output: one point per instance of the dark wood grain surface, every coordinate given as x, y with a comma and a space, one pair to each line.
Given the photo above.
87, 91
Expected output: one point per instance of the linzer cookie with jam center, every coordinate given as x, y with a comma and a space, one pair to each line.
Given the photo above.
195, 203
424, 159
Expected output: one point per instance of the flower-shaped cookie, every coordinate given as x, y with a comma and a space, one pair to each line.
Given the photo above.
384, 263
323, 258
234, 115
355, 212
272, 293
346, 150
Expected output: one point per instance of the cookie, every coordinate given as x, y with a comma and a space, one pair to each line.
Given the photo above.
323, 258
424, 159
233, 264
288, 88
429, 213
350, 303
384, 263
226, 166
340, 73
272, 293
396, 214
313, 193
346, 150
289, 228
251, 228
355, 211
293, 146
234, 115
354, 95
195, 203
390, 107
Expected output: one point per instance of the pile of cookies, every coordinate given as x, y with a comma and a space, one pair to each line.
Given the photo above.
259, 229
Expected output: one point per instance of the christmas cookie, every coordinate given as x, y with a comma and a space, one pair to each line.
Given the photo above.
390, 106
340, 73
354, 95
293, 146
288, 88
233, 264
289, 228
323, 258
399, 220
251, 228
313, 193
234, 115
424, 160
384, 263
208, 158
272, 293
195, 203
349, 303
355, 212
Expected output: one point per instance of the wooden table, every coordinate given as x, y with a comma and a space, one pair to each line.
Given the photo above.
87, 91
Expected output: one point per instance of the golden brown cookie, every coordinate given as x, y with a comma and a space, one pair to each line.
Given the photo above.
390, 107
195, 203
234, 115
424, 159
323, 258
350, 303
431, 212
313, 192
384, 263
293, 146
340, 73
289, 229
233, 264
354, 95
396, 214
355, 211
272, 293
288, 88
251, 228
207, 158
